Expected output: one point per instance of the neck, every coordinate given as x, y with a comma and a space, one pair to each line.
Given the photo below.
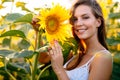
93, 45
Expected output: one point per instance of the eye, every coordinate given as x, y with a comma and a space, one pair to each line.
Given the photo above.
85, 17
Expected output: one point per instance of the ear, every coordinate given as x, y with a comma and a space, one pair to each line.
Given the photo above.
98, 22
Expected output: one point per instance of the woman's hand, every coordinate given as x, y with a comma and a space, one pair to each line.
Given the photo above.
56, 57
57, 61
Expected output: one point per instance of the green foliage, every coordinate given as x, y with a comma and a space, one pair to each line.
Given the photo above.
48, 75
11, 17
20, 62
113, 26
16, 33
25, 18
5, 53
116, 71
6, 42
13, 54
18, 57
69, 45
24, 44
114, 39
114, 15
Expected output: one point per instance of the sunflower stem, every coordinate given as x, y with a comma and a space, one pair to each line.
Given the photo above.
35, 58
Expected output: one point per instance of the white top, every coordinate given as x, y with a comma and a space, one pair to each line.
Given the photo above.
82, 72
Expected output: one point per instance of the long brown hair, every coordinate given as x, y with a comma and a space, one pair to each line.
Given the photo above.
97, 12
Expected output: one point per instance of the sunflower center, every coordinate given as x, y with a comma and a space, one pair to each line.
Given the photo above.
52, 24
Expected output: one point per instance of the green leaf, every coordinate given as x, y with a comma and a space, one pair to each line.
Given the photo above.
6, 42
114, 15
4, 73
22, 70
25, 9
5, 53
70, 44
24, 44
25, 18
13, 54
25, 54
25, 27
16, 33
48, 75
116, 57
73, 43
66, 50
19, 67
112, 41
12, 17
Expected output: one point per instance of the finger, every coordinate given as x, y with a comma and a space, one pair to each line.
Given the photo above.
58, 47
54, 49
50, 53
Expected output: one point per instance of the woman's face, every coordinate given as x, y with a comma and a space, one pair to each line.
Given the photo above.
85, 25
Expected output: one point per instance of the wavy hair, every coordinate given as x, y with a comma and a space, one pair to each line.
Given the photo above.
97, 12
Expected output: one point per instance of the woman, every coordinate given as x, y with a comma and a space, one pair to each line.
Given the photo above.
93, 61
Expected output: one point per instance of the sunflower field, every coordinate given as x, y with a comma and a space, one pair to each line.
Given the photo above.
25, 38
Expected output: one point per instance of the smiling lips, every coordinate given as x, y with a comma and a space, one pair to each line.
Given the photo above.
80, 30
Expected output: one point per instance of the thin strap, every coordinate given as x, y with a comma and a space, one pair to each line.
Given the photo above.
88, 63
68, 61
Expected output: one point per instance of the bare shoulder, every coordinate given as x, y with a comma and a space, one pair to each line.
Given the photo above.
101, 67
103, 56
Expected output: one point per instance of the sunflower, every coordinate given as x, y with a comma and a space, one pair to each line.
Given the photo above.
55, 22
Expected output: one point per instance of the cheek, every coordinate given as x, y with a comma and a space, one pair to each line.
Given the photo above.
91, 20
92, 28
92, 24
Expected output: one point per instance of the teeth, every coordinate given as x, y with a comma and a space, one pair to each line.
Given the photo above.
80, 30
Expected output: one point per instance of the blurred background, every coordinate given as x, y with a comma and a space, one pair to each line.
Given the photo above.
111, 11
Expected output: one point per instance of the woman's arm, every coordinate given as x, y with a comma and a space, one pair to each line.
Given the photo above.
61, 74
101, 67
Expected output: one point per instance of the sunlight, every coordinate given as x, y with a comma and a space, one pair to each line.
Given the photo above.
31, 4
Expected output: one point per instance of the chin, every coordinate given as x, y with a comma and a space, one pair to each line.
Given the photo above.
82, 37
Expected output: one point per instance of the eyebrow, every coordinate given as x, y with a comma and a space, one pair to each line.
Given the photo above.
82, 15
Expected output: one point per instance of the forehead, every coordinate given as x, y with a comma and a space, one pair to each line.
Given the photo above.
82, 9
